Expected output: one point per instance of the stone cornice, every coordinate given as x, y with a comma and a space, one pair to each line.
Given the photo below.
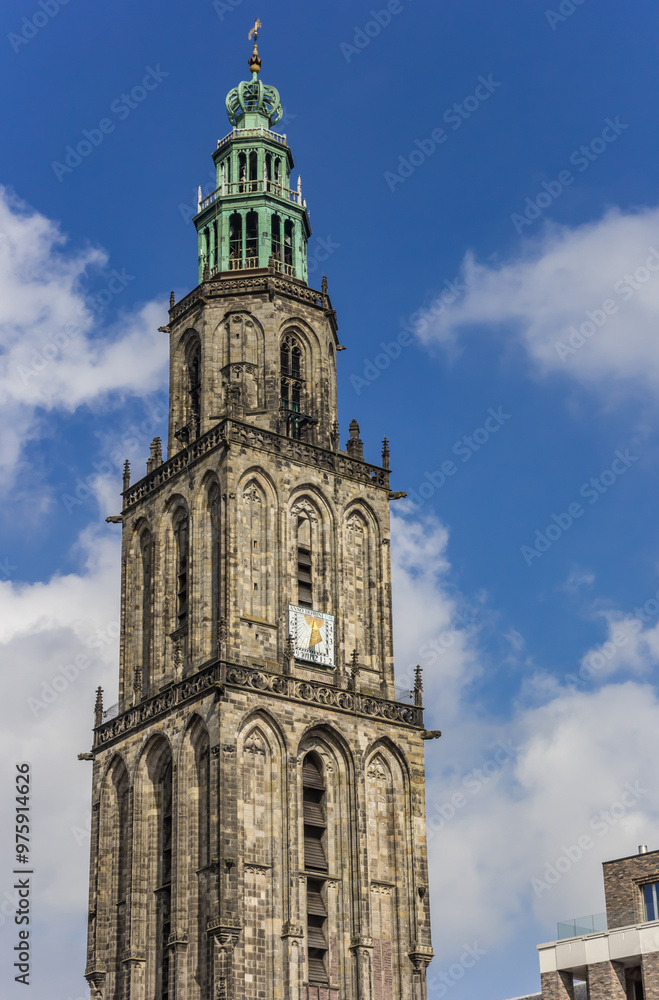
244, 434
265, 281
220, 675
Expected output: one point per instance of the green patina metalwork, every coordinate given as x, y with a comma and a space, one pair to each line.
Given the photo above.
254, 219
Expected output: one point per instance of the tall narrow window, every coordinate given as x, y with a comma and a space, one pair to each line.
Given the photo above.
288, 243
253, 170
215, 263
275, 242
121, 848
304, 578
214, 510
146, 546
194, 389
182, 535
268, 169
291, 384
164, 891
235, 241
242, 172
315, 824
252, 239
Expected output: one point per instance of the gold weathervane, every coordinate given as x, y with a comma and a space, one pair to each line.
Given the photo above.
254, 61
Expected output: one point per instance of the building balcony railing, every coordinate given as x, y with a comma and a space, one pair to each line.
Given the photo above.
246, 187
253, 133
592, 924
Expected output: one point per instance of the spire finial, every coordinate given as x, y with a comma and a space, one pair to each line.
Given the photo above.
254, 61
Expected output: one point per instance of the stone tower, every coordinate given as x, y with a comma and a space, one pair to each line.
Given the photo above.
258, 820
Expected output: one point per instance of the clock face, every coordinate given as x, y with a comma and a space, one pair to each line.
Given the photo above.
313, 635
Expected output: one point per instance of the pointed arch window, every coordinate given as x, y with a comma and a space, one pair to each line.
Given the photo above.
292, 380
146, 551
182, 556
164, 890
275, 239
315, 860
194, 389
304, 564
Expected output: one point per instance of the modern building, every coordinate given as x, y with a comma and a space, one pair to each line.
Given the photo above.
620, 962
258, 814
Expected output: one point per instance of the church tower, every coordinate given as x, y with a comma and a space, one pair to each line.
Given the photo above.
258, 815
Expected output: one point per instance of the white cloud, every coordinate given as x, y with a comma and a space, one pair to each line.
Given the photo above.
54, 354
58, 642
557, 290
506, 799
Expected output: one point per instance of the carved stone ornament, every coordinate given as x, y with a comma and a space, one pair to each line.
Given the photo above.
377, 769
255, 743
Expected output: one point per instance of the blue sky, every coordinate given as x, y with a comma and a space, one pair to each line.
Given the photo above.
530, 206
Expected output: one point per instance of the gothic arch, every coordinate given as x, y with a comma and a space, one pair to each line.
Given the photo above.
389, 830
193, 815
311, 542
336, 900
153, 835
240, 342
256, 524
209, 548
262, 797
361, 564
187, 365
114, 862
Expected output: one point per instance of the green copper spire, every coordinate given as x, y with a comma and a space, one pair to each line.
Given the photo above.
254, 220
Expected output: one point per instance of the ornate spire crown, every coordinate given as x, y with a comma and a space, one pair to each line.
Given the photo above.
253, 103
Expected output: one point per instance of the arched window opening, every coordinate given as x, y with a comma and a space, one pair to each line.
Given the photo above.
252, 239
122, 875
268, 169
277, 175
235, 241
194, 390
242, 172
315, 860
304, 577
292, 381
182, 536
288, 243
275, 242
215, 540
164, 889
253, 170
215, 262
146, 547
